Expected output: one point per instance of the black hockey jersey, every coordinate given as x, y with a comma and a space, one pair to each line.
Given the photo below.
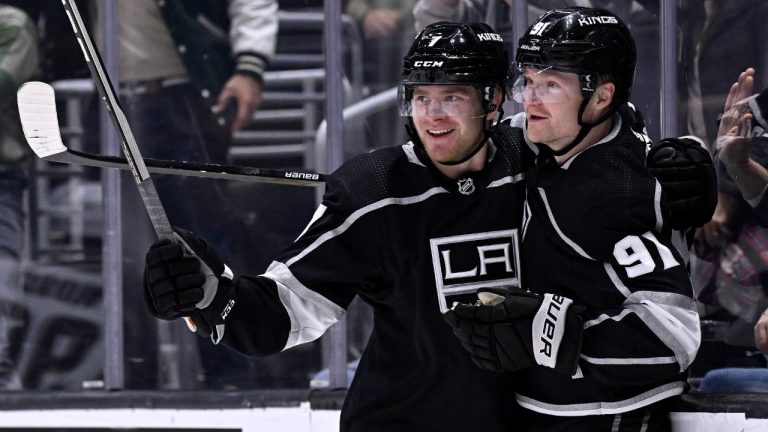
392, 229
595, 232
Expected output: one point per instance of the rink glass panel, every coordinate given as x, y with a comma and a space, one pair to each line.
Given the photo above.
62, 334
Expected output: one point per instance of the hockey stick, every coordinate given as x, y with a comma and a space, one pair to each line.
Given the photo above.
127, 141
133, 156
37, 110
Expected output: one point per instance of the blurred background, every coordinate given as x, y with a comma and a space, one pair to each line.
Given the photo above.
73, 238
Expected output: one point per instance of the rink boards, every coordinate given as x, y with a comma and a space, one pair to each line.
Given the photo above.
279, 411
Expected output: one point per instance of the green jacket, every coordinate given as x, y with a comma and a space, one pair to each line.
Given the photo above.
18, 63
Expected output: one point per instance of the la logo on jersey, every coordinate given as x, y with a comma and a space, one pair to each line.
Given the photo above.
464, 263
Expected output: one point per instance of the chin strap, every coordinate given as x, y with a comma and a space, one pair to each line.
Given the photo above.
585, 128
469, 155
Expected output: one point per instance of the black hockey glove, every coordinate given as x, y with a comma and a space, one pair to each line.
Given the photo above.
523, 330
687, 176
187, 278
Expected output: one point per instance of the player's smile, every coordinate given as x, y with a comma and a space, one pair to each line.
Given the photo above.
440, 132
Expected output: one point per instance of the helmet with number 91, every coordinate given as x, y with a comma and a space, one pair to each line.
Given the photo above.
447, 53
593, 43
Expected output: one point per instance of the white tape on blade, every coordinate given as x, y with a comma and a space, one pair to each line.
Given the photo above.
37, 111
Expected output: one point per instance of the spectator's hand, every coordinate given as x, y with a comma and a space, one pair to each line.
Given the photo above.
516, 332
185, 277
716, 232
380, 23
247, 94
761, 333
732, 146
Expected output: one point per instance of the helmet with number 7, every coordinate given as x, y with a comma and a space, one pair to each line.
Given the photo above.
593, 43
447, 53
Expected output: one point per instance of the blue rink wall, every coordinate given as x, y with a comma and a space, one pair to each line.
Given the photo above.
284, 411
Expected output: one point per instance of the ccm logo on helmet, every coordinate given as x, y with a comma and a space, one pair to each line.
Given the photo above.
427, 63
598, 20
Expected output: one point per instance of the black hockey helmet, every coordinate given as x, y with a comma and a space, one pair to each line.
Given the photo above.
446, 53
453, 53
592, 43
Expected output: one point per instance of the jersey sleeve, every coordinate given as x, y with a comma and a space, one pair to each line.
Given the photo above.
253, 34
309, 286
654, 334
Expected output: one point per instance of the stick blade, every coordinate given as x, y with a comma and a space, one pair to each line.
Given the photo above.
37, 111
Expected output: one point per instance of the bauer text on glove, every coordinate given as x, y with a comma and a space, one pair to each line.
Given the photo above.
524, 330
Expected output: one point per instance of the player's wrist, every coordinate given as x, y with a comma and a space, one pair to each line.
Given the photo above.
211, 320
556, 331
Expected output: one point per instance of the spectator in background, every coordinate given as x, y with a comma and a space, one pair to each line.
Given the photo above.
736, 135
18, 64
387, 27
713, 26
494, 12
738, 235
381, 19
190, 74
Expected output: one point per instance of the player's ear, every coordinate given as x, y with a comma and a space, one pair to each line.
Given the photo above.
496, 101
603, 97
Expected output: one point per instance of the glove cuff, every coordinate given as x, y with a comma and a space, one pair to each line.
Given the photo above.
211, 320
548, 329
556, 334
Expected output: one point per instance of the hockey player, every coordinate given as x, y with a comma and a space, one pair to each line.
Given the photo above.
609, 326
455, 187
443, 211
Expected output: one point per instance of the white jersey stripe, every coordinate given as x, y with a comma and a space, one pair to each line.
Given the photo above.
616, 280
526, 218
657, 206
310, 313
616, 423
604, 317
617, 121
506, 180
681, 245
629, 361
570, 242
411, 154
319, 212
672, 318
601, 408
362, 212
